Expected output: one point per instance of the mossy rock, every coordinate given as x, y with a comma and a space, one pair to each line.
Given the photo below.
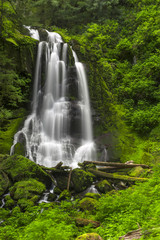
24, 203
89, 236
81, 179
103, 186
61, 177
4, 182
64, 195
20, 168
89, 204
52, 197
35, 198
57, 191
93, 195
27, 189
9, 202
19, 149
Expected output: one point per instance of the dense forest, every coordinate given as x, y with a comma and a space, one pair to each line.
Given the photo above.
119, 43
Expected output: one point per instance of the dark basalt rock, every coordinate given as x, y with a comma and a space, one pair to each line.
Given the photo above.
81, 180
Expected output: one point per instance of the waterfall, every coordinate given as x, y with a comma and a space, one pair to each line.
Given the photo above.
59, 127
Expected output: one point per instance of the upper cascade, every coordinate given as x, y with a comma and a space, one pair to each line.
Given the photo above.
59, 127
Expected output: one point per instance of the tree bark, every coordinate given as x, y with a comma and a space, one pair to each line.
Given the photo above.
69, 179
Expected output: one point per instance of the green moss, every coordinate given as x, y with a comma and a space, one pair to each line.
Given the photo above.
64, 195
89, 236
7, 133
19, 168
4, 182
19, 149
25, 203
136, 172
93, 195
81, 179
9, 202
27, 189
88, 204
103, 186
147, 158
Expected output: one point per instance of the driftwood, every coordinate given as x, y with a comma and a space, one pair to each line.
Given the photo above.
116, 176
117, 165
136, 234
84, 222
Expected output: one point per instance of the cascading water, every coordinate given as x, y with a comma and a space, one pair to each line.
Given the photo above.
59, 127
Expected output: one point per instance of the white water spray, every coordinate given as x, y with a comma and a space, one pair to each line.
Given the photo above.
59, 127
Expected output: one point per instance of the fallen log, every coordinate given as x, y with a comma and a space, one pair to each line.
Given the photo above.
117, 165
110, 168
116, 176
58, 166
84, 222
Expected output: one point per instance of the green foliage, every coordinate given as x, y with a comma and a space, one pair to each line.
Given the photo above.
121, 212
118, 212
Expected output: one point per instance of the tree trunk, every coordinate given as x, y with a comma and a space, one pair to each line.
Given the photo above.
115, 176
117, 165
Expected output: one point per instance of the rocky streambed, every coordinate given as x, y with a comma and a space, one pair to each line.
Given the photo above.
24, 183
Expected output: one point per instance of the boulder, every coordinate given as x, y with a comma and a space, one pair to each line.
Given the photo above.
20, 168
89, 204
19, 149
27, 189
64, 195
24, 203
89, 236
103, 186
81, 179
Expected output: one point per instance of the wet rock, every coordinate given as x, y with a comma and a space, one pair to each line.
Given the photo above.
64, 195
52, 197
81, 180
19, 149
57, 191
103, 186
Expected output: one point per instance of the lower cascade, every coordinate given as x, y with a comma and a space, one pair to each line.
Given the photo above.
59, 127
